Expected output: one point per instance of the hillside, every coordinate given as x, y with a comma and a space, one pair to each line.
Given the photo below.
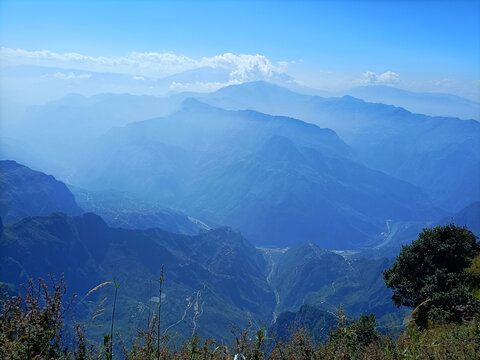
217, 268
279, 180
26, 192
440, 154
306, 274
223, 277
219, 273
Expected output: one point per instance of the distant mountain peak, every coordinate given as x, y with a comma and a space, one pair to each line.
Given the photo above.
352, 99
193, 103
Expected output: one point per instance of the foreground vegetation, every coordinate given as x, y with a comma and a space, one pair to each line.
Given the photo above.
33, 327
438, 275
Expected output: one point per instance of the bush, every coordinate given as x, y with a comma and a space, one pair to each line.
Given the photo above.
33, 327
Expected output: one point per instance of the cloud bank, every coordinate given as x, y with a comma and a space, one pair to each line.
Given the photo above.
161, 72
241, 68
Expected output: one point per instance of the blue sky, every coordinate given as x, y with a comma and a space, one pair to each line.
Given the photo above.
423, 42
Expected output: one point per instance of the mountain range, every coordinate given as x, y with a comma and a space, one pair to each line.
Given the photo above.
212, 280
222, 276
211, 163
279, 180
439, 154
262, 203
39, 84
215, 278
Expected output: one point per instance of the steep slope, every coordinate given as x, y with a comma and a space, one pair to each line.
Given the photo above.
305, 268
437, 153
361, 291
284, 194
279, 180
306, 274
25, 192
220, 275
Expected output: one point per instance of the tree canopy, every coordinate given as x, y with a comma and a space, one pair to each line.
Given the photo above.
432, 271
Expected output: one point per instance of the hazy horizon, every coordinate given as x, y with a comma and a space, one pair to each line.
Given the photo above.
203, 46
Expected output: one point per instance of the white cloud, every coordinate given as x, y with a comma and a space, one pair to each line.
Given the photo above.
386, 78
68, 76
244, 67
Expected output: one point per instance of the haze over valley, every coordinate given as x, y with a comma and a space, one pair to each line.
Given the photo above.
265, 187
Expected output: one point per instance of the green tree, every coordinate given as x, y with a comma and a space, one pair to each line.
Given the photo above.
432, 272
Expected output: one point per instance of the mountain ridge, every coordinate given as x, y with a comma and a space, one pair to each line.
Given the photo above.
201, 159
25, 192
89, 252
384, 137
